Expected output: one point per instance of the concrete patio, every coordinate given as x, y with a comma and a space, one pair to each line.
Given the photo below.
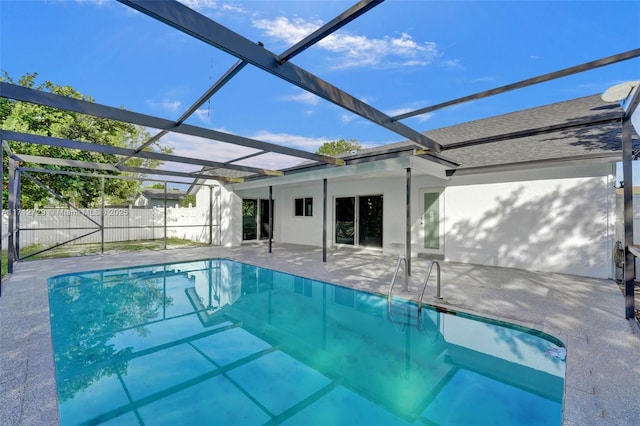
602, 384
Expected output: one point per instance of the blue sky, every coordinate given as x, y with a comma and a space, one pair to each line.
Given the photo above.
398, 57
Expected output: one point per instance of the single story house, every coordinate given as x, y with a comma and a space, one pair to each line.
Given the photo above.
532, 189
154, 197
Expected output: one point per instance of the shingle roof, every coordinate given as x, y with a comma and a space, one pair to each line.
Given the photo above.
154, 193
584, 141
577, 128
574, 111
583, 128
218, 172
543, 143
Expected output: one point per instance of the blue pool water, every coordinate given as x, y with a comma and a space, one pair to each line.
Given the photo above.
221, 342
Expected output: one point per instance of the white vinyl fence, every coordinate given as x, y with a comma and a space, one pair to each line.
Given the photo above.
47, 227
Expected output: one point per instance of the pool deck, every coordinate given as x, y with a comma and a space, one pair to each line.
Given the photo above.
602, 384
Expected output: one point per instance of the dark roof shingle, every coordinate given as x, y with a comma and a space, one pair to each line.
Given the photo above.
578, 128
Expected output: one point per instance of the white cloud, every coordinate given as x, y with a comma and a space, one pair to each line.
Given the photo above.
398, 111
453, 64
217, 7
303, 98
200, 4
227, 7
347, 118
292, 141
424, 117
203, 115
281, 28
487, 79
388, 52
272, 161
166, 104
172, 106
196, 147
96, 2
353, 50
421, 118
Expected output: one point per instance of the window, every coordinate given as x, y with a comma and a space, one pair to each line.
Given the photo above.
303, 206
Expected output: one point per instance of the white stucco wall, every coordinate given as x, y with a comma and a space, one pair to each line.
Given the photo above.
230, 212
230, 218
559, 219
393, 212
308, 230
298, 229
554, 225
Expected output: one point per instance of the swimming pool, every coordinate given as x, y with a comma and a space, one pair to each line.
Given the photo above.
222, 342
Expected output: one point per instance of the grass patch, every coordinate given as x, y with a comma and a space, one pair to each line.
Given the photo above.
71, 250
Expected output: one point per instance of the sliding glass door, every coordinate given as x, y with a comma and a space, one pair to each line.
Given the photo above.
358, 220
249, 219
255, 219
265, 230
345, 220
370, 221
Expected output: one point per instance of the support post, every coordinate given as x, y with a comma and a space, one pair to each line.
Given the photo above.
270, 217
165, 215
11, 249
629, 258
407, 247
210, 216
102, 216
219, 211
18, 209
324, 220
627, 157
1, 208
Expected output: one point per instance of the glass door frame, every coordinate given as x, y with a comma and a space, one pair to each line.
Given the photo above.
350, 230
344, 230
263, 218
420, 240
261, 213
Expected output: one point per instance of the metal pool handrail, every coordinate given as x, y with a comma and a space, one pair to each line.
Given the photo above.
426, 281
395, 275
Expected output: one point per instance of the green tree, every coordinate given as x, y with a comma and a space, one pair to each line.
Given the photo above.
338, 147
41, 120
188, 199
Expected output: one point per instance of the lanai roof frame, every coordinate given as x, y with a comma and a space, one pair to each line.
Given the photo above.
360, 8
257, 55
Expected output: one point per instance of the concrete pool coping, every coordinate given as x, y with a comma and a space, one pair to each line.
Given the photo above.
603, 349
